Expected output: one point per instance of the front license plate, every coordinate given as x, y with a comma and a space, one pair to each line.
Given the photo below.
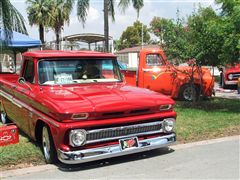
128, 143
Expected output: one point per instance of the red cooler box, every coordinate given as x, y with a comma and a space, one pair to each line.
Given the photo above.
8, 135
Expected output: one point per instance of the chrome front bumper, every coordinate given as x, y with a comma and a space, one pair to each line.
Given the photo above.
232, 82
86, 155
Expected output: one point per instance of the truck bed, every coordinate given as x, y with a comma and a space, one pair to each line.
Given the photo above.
9, 77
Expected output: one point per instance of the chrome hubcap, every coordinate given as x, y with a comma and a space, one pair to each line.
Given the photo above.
46, 143
189, 93
3, 117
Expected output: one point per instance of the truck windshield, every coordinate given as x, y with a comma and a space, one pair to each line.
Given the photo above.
73, 71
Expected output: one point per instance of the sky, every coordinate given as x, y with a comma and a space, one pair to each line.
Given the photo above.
94, 23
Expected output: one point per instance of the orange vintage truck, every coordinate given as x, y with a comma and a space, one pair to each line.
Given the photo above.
156, 73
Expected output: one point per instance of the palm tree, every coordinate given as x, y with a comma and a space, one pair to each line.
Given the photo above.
10, 19
60, 10
39, 14
108, 6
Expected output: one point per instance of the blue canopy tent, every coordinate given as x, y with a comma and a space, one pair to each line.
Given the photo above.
12, 48
19, 40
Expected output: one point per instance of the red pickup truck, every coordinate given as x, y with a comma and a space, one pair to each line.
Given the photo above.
229, 75
78, 107
156, 73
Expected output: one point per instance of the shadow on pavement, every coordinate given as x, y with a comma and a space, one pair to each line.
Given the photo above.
115, 160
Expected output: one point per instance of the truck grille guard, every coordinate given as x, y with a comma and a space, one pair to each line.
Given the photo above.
109, 134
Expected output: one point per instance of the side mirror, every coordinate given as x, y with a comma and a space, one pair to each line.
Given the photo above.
21, 80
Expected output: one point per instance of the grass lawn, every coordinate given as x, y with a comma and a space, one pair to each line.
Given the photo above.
208, 119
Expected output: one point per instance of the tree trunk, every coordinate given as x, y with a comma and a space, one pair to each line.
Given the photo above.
106, 26
57, 40
41, 33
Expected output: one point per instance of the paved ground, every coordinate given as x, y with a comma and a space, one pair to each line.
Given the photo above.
225, 93
218, 159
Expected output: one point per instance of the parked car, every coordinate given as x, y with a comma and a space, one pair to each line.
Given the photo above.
78, 107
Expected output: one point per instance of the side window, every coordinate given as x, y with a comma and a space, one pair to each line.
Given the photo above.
28, 73
154, 60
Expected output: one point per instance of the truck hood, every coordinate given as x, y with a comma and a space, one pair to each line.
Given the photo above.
100, 98
233, 69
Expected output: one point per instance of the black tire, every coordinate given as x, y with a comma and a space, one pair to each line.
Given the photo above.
3, 116
48, 147
188, 92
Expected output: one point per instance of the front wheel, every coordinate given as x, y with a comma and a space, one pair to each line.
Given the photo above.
48, 148
188, 92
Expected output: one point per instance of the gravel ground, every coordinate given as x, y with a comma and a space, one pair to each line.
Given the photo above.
226, 93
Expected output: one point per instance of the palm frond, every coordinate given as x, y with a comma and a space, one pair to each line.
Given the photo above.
123, 5
111, 11
82, 10
137, 4
11, 19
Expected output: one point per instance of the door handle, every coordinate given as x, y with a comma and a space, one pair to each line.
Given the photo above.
146, 70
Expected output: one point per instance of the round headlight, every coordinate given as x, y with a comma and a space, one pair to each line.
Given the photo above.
77, 137
168, 124
230, 76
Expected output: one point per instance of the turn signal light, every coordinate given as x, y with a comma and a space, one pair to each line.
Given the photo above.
80, 116
165, 107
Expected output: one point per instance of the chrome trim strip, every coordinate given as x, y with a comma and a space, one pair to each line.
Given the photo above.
22, 104
86, 155
122, 128
6, 95
17, 103
44, 117
235, 74
232, 82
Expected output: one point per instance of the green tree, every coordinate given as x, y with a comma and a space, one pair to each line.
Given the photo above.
39, 13
172, 37
132, 36
205, 36
230, 25
10, 19
108, 6
60, 13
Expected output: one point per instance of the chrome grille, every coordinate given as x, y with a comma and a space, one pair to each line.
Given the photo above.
100, 135
236, 76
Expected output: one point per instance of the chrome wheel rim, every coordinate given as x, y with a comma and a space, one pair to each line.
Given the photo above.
46, 143
3, 117
189, 93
